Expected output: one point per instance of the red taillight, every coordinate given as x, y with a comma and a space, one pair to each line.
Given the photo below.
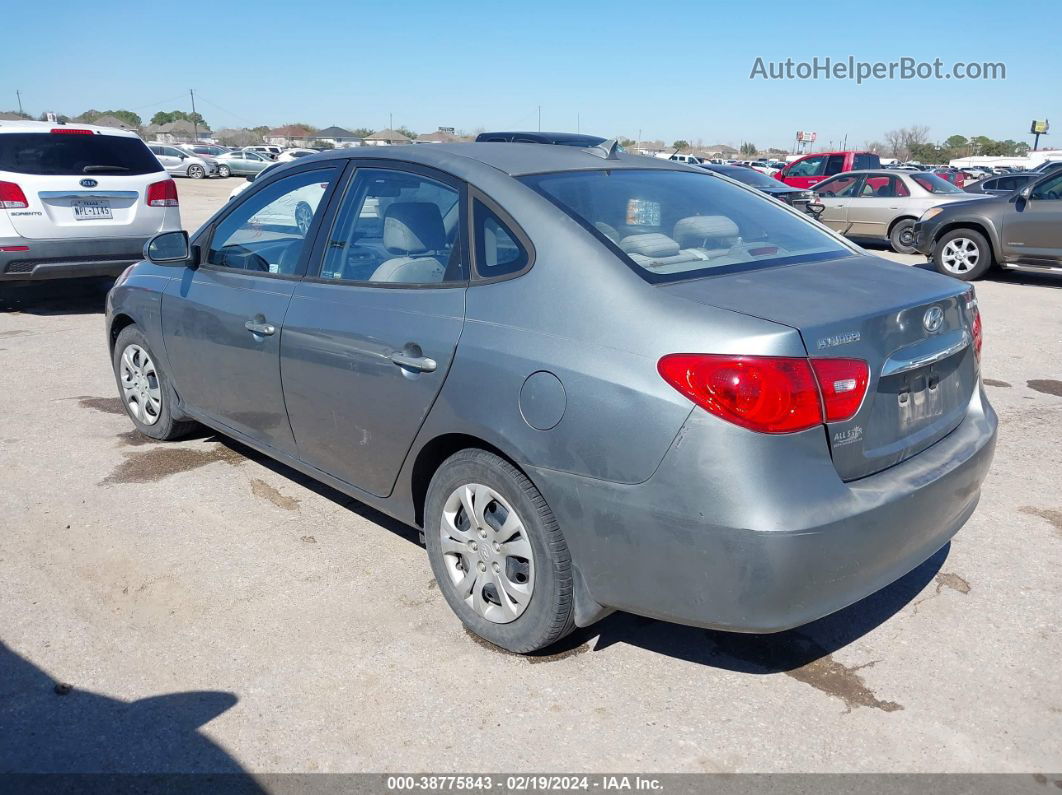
162, 194
14, 248
70, 131
843, 383
770, 394
976, 329
12, 197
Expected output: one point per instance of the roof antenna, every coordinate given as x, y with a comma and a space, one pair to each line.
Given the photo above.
606, 150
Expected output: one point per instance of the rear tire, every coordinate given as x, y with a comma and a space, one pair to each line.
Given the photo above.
196, 172
902, 237
521, 593
144, 388
963, 254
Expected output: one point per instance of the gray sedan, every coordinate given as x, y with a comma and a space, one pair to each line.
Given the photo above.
593, 381
242, 163
883, 205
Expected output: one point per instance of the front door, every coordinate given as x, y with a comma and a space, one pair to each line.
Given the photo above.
368, 342
223, 320
836, 196
1032, 231
876, 204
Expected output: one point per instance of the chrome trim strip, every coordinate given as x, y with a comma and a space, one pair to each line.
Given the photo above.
88, 194
926, 352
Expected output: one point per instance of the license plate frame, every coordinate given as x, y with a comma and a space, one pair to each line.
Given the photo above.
91, 209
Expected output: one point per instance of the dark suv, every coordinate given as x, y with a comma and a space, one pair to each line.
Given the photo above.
1022, 230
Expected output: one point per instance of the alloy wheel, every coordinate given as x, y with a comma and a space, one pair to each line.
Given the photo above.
487, 553
140, 385
960, 255
303, 217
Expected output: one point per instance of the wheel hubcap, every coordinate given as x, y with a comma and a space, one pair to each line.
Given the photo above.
140, 385
960, 255
303, 217
487, 553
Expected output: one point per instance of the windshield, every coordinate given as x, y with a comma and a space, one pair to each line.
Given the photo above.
935, 184
75, 153
672, 225
749, 176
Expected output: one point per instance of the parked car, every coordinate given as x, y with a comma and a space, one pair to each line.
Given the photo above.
1048, 167
1003, 185
793, 196
242, 163
809, 170
78, 200
294, 154
480, 397
182, 164
952, 175
882, 205
557, 138
1021, 231
203, 150
269, 150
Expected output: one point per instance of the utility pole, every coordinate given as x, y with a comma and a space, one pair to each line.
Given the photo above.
390, 121
578, 122
19, 95
195, 123
540, 118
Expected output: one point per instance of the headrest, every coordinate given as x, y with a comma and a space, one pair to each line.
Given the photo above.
650, 245
693, 231
413, 228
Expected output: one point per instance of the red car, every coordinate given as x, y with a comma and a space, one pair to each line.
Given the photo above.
810, 169
954, 176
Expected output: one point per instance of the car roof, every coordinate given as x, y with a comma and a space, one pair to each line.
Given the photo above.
464, 159
24, 126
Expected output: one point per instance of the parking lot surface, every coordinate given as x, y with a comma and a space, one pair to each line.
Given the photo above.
213, 610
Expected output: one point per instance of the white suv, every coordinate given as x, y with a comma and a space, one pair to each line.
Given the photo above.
78, 200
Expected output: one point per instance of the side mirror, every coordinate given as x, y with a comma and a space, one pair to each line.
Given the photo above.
816, 208
168, 248
1026, 192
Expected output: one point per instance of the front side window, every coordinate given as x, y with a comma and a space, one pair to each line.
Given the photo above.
672, 225
1050, 189
808, 167
396, 227
838, 186
266, 233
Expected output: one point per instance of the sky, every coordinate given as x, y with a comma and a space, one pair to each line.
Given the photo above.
679, 70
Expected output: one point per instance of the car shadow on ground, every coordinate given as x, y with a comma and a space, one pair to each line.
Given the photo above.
47, 726
317, 487
58, 297
759, 654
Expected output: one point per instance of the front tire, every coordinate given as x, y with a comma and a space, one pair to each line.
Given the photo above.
224, 172
902, 236
144, 388
497, 552
196, 172
963, 254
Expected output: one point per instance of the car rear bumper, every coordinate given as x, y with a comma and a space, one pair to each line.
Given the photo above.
67, 259
754, 536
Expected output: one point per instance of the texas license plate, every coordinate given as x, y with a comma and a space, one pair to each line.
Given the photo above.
91, 209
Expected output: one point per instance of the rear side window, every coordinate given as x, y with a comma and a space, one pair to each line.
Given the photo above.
498, 250
864, 160
835, 165
72, 153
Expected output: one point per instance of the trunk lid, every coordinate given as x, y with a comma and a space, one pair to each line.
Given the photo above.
922, 365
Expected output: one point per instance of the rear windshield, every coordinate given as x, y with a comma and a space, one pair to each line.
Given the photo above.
863, 160
672, 225
935, 184
56, 154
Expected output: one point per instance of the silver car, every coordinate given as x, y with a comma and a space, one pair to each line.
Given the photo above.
242, 163
593, 381
883, 205
182, 163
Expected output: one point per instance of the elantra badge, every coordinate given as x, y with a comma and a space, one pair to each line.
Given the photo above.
933, 319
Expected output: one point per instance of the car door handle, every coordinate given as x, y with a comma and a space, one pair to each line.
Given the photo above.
421, 364
260, 327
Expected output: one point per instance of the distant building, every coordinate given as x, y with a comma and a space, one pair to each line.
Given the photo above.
11, 117
178, 132
438, 137
115, 122
386, 138
289, 135
338, 137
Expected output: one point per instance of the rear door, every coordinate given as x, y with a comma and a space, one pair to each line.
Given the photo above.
79, 183
369, 339
1032, 230
223, 320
